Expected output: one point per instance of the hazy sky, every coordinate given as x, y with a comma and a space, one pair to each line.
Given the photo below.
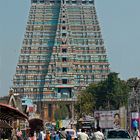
120, 25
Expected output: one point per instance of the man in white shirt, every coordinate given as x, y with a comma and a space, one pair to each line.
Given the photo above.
63, 134
82, 135
98, 135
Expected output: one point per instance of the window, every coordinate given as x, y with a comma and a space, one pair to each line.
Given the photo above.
34, 1
35, 89
63, 34
83, 2
23, 101
41, 1
73, 2
63, 27
22, 90
64, 81
64, 50
91, 2
64, 59
63, 21
63, 42
51, 1
64, 69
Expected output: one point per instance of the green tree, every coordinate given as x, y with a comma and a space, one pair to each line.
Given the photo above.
133, 83
85, 103
116, 91
108, 94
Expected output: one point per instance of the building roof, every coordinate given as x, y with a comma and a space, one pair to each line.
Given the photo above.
10, 113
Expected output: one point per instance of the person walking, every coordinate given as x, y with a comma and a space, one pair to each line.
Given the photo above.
48, 136
63, 134
68, 136
31, 135
82, 135
57, 136
98, 135
41, 135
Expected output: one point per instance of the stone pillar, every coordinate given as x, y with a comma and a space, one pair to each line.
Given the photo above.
46, 112
53, 112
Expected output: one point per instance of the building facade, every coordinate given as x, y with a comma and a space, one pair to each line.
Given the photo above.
63, 52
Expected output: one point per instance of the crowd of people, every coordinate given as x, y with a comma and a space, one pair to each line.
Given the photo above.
82, 134
61, 134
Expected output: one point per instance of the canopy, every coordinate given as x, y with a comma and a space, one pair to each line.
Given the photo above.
36, 124
10, 113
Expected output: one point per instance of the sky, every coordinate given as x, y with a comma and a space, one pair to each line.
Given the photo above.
120, 25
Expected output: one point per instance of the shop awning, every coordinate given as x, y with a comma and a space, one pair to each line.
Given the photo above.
10, 113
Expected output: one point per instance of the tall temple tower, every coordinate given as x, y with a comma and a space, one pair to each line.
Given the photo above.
63, 52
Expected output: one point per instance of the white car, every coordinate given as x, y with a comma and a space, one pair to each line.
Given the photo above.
117, 134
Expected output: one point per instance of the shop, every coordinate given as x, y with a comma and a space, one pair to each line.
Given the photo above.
10, 119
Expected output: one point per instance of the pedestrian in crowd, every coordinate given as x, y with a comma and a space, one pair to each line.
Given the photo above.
68, 136
98, 135
35, 136
57, 136
136, 134
19, 134
27, 135
41, 135
52, 135
82, 135
32, 136
13, 135
63, 134
47, 137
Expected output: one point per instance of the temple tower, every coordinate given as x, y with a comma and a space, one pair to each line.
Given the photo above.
63, 52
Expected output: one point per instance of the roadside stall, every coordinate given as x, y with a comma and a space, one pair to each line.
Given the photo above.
9, 116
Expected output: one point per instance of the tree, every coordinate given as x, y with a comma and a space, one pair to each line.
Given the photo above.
133, 83
116, 91
85, 103
109, 94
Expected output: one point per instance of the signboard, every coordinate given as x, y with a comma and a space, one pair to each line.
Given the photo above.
107, 119
134, 120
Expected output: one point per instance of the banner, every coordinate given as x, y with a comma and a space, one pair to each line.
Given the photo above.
108, 119
134, 120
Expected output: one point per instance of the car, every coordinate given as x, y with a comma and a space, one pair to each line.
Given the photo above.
117, 134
